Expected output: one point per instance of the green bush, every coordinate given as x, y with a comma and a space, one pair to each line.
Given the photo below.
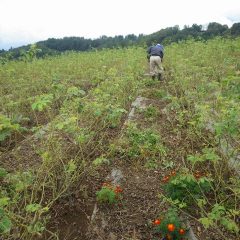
186, 187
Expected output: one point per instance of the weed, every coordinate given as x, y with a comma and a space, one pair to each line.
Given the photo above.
186, 187
151, 164
144, 143
151, 112
109, 194
42, 102
7, 127
219, 214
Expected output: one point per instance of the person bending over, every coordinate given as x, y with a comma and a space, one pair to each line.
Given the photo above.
155, 56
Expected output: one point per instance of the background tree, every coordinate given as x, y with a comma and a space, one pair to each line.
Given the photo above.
235, 29
53, 46
215, 29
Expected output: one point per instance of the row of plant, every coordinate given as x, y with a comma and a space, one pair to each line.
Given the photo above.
189, 192
204, 93
32, 93
79, 134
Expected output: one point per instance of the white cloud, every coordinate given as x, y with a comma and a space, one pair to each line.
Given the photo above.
28, 21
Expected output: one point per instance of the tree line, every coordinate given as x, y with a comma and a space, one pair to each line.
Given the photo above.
53, 46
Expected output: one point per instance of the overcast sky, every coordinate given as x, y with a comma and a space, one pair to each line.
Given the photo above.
28, 21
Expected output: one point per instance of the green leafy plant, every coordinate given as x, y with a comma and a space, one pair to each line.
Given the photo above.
209, 154
151, 112
75, 92
3, 172
31, 54
5, 222
109, 194
100, 161
144, 143
37, 226
186, 187
151, 164
42, 102
220, 215
7, 127
67, 124
114, 115
229, 124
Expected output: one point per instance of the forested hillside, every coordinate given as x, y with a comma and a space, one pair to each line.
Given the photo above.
165, 36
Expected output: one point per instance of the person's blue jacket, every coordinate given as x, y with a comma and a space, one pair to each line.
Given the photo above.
157, 50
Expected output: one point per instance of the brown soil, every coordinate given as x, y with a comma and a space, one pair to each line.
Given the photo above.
21, 157
70, 219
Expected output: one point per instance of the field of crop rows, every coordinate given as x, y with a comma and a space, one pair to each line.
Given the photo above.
92, 148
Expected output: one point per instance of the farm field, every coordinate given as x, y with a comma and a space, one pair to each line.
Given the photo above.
80, 158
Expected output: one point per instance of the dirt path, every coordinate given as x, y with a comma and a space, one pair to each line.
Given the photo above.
132, 218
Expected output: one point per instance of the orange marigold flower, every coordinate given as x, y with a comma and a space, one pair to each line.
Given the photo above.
118, 189
170, 227
181, 231
197, 175
157, 222
165, 179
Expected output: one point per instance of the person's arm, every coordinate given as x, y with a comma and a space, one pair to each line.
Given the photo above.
161, 54
148, 53
149, 50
